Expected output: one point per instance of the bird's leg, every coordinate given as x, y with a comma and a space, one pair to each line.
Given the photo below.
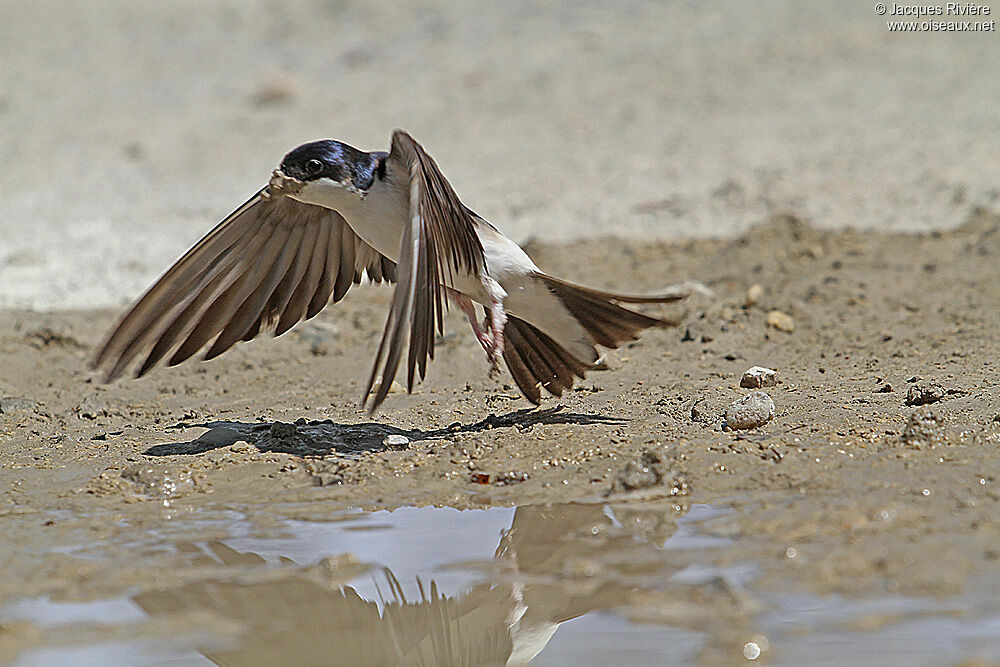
497, 318
490, 332
469, 308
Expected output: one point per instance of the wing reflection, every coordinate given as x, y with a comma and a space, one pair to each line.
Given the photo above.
549, 567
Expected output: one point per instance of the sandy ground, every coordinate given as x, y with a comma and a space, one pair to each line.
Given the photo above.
869, 494
799, 146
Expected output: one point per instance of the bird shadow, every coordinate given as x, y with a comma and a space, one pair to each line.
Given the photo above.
319, 438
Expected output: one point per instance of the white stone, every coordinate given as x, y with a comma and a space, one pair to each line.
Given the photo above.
395, 440
758, 376
751, 411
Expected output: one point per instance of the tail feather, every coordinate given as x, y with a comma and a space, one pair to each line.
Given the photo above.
676, 293
537, 360
608, 323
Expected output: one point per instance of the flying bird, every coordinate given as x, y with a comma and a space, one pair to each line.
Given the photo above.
331, 215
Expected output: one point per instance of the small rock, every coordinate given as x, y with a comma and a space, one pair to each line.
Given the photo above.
884, 389
754, 294
91, 408
639, 473
322, 337
758, 376
479, 478
326, 472
511, 477
751, 411
395, 441
925, 430
394, 388
922, 394
602, 363
781, 321
648, 470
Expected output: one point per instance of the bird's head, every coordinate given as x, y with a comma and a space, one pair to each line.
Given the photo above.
323, 172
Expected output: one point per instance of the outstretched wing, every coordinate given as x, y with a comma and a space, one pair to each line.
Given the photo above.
439, 241
271, 263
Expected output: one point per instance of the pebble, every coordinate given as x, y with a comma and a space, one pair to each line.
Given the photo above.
91, 408
922, 394
781, 321
754, 294
925, 430
395, 440
751, 411
758, 376
394, 388
647, 470
639, 473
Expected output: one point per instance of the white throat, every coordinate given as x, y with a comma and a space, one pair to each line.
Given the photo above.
378, 217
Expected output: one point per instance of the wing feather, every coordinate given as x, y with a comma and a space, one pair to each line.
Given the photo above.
304, 291
222, 309
270, 263
438, 242
190, 274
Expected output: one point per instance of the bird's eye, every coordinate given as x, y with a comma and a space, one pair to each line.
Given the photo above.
314, 167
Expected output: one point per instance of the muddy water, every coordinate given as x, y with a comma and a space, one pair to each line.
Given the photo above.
587, 584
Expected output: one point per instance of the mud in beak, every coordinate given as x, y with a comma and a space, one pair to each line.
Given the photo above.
282, 184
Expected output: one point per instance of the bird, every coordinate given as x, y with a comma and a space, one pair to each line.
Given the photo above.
332, 215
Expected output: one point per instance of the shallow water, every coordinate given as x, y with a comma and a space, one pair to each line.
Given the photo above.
583, 584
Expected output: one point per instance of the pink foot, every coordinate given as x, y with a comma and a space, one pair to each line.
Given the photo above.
490, 332
469, 309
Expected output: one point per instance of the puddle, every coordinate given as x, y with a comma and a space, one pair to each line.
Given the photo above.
551, 585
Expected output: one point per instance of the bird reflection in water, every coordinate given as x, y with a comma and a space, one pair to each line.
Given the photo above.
546, 571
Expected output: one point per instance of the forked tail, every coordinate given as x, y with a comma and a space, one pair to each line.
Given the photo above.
538, 360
